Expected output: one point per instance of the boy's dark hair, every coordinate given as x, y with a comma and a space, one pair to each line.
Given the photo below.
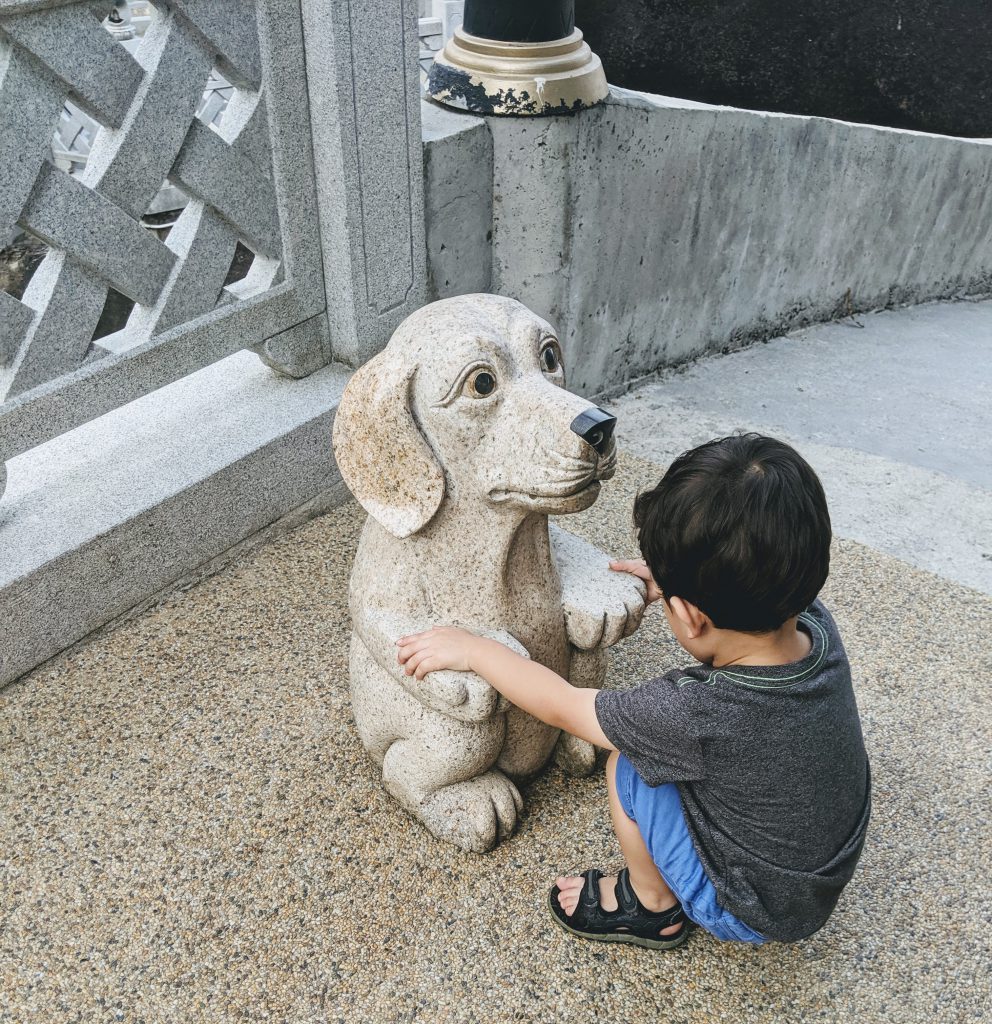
738, 527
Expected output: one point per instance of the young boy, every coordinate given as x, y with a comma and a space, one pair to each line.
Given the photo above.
739, 786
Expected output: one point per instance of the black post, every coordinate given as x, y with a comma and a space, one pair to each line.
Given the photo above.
519, 21
518, 58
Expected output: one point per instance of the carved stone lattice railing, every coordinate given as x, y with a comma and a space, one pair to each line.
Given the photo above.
249, 180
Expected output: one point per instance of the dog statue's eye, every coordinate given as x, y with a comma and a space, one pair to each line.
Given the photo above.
482, 383
549, 357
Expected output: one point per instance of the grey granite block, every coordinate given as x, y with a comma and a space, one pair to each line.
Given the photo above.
299, 351
15, 319
99, 387
30, 104
287, 111
230, 30
365, 113
245, 126
458, 191
71, 217
204, 244
98, 520
208, 168
101, 75
69, 299
128, 166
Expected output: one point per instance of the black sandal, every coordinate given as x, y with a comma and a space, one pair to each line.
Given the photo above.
631, 922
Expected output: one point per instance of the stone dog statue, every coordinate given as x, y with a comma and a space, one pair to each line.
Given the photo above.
459, 440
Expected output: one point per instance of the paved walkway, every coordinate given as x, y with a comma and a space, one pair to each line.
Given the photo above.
190, 830
893, 409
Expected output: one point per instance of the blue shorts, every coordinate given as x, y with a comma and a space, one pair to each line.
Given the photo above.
657, 811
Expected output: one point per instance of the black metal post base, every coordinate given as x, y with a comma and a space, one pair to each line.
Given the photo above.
518, 58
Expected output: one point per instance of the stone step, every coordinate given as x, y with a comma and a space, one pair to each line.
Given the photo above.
103, 519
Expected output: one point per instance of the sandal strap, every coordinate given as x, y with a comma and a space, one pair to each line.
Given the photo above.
629, 903
589, 897
626, 897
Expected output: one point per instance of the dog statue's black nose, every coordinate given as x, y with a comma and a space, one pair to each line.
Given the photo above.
595, 427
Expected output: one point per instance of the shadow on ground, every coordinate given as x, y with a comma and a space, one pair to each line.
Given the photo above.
192, 832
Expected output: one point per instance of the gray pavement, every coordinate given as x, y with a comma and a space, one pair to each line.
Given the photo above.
895, 415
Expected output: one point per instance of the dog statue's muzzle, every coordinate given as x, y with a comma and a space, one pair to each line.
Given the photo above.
595, 426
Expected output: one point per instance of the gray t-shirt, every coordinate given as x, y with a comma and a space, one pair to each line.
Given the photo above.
772, 771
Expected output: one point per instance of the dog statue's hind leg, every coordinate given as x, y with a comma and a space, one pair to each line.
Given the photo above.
439, 768
470, 810
574, 755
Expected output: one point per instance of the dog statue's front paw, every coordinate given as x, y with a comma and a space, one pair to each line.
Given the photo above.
476, 814
462, 695
602, 616
575, 756
601, 606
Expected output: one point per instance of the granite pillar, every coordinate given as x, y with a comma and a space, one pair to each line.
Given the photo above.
361, 58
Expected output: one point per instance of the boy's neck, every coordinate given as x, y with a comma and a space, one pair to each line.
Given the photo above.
782, 646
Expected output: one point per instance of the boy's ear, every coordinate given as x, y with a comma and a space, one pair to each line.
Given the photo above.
694, 620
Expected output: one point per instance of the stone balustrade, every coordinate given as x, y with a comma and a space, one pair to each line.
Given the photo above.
118, 445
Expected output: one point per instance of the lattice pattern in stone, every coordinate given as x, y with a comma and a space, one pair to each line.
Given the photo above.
146, 106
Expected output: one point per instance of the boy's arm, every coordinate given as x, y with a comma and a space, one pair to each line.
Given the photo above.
532, 687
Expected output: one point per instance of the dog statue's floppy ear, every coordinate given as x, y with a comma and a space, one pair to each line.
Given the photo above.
382, 455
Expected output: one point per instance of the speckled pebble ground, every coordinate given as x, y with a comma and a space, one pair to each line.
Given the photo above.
191, 832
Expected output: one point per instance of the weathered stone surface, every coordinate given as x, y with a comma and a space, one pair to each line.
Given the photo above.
30, 105
300, 350
67, 300
204, 245
245, 126
652, 229
97, 388
101, 518
253, 179
211, 170
456, 439
231, 31
15, 318
129, 165
78, 221
458, 192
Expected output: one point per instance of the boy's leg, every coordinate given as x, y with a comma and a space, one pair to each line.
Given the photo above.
645, 878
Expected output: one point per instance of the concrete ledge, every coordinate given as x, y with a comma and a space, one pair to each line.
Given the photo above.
650, 229
458, 196
100, 519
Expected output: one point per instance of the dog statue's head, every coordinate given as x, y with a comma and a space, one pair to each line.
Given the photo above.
468, 400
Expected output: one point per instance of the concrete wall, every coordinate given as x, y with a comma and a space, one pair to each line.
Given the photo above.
649, 230
458, 192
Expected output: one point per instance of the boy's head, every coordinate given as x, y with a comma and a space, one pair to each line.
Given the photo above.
739, 528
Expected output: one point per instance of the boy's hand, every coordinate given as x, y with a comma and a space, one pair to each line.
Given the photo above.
445, 647
639, 568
